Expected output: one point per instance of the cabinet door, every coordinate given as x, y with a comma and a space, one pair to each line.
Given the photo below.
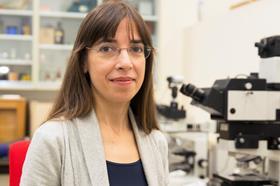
16, 26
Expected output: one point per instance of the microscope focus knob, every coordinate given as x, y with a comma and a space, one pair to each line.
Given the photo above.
248, 86
202, 163
241, 140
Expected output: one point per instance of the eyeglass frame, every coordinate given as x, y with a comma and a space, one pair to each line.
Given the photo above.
118, 49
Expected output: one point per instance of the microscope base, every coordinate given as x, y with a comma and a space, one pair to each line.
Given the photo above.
251, 180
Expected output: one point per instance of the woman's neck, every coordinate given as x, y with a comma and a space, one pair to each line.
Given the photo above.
113, 116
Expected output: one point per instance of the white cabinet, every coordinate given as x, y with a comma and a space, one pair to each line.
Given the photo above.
35, 60
16, 43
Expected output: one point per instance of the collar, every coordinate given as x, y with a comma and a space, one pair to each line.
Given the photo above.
93, 150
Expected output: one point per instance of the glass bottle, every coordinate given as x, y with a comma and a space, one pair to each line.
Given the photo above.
26, 28
1, 26
59, 34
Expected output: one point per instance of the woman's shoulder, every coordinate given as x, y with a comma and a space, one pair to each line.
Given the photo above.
159, 137
157, 134
51, 129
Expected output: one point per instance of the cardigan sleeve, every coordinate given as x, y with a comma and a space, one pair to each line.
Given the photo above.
163, 148
43, 161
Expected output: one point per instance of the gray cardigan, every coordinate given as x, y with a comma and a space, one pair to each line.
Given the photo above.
70, 153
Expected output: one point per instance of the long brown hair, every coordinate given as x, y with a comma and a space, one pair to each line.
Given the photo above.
75, 98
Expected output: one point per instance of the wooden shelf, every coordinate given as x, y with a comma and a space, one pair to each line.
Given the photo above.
150, 18
19, 62
12, 12
48, 86
15, 85
82, 15
56, 47
29, 85
16, 37
74, 15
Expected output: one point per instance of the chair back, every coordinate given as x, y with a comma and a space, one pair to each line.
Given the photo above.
17, 153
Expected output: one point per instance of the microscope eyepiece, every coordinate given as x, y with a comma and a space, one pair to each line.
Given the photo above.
269, 47
192, 91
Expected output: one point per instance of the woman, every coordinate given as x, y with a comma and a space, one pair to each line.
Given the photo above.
102, 129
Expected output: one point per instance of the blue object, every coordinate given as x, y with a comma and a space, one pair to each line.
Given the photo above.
11, 30
4, 150
126, 174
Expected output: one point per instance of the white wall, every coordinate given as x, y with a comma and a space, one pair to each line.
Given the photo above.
213, 9
175, 16
222, 47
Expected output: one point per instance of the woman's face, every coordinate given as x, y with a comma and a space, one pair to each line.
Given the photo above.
117, 66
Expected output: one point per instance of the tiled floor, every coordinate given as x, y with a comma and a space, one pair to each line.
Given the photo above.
4, 179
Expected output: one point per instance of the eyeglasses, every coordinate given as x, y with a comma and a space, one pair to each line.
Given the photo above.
109, 51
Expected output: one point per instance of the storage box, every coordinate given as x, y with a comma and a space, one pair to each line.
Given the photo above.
12, 119
38, 114
47, 35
